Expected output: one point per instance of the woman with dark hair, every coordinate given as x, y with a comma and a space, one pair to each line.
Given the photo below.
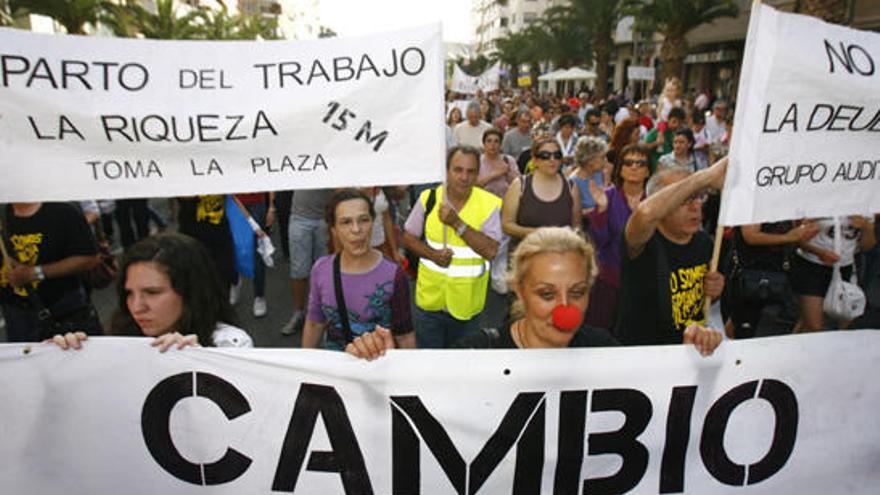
682, 154
497, 170
614, 206
357, 289
543, 198
627, 132
169, 288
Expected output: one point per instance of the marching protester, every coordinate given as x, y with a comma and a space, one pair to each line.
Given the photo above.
544, 198
47, 246
665, 269
624, 134
169, 289
357, 288
518, 139
661, 140
204, 218
497, 171
592, 118
591, 161
551, 274
470, 132
614, 206
455, 229
761, 275
567, 138
813, 265
682, 154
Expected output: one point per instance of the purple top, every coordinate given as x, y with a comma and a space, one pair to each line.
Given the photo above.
379, 296
606, 229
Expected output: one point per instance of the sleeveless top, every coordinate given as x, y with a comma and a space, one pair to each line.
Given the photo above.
535, 212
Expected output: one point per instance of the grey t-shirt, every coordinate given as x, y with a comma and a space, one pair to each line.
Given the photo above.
515, 142
310, 203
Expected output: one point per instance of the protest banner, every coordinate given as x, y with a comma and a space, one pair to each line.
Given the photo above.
805, 134
635, 73
88, 117
119, 417
485, 82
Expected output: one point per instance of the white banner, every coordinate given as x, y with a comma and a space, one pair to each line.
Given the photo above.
635, 73
85, 117
787, 415
485, 82
805, 140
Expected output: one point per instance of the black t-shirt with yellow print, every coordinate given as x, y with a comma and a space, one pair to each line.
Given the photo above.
643, 319
55, 232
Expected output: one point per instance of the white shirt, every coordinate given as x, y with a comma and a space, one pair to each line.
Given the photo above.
465, 133
849, 243
715, 129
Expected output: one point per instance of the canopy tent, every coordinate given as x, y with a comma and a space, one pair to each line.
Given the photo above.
564, 79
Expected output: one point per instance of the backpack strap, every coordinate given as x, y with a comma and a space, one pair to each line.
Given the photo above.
340, 299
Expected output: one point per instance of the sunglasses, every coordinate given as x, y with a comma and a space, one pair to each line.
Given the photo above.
546, 155
700, 196
637, 163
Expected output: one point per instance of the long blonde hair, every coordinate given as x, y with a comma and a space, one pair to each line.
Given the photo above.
548, 240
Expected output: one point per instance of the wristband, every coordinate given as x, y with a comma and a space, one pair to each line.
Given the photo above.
461, 229
38, 272
253, 223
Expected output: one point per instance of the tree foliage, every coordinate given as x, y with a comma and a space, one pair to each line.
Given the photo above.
72, 14
675, 19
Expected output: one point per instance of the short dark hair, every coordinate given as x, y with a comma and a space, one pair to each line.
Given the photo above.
593, 112
698, 118
630, 149
465, 149
193, 276
688, 134
345, 195
677, 113
567, 119
492, 131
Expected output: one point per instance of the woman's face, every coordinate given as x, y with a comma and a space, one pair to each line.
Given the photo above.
552, 279
455, 115
151, 300
550, 164
354, 226
492, 144
634, 135
634, 168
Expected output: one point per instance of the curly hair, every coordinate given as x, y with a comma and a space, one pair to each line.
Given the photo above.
193, 276
587, 148
548, 240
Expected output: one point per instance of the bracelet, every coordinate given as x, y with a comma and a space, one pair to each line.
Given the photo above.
461, 229
38, 272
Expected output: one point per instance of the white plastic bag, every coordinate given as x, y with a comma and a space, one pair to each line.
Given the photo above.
844, 301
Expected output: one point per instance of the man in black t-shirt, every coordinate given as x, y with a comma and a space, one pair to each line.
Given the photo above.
665, 259
50, 245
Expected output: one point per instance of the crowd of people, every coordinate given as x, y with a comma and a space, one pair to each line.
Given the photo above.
593, 220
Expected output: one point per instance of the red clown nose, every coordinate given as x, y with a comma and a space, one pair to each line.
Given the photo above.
567, 317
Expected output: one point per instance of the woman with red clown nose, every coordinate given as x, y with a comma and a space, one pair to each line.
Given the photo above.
551, 274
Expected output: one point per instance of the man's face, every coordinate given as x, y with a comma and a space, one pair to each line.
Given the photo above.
473, 116
524, 122
461, 175
687, 219
680, 145
592, 123
720, 111
673, 124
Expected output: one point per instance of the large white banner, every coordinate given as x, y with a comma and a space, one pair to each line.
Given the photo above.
485, 82
788, 415
86, 117
806, 139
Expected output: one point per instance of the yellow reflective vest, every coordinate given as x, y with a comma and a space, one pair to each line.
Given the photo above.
461, 287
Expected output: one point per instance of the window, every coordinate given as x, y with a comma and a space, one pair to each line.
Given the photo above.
502, 22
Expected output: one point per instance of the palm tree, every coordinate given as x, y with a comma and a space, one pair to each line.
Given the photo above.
599, 18
72, 14
563, 36
165, 22
675, 19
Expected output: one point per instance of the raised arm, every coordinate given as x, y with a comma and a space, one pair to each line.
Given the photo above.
643, 222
